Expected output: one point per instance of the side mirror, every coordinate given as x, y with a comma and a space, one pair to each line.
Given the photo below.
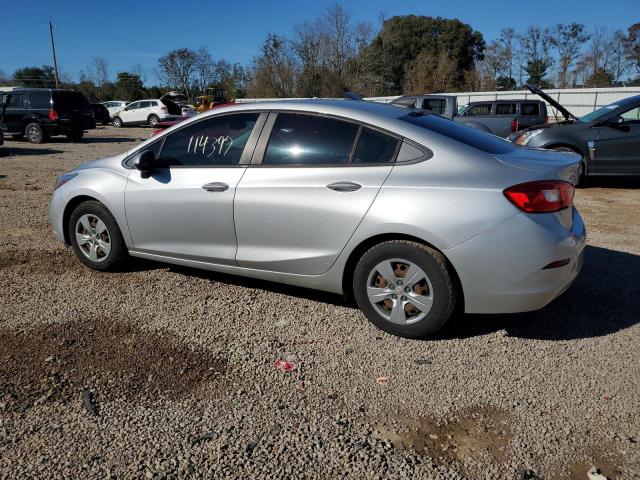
616, 121
145, 162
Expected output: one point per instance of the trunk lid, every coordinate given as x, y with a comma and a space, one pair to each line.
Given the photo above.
553, 165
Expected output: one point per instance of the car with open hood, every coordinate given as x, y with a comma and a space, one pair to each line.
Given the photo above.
608, 139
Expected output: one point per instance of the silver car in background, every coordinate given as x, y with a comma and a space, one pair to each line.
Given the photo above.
412, 214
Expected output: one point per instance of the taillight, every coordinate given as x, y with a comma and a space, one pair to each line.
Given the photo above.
514, 125
53, 115
542, 196
546, 120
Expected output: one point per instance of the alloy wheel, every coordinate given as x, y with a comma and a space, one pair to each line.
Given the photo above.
93, 238
33, 134
400, 291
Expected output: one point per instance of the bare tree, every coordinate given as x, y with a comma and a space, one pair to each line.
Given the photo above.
536, 54
99, 71
140, 71
177, 69
632, 45
339, 39
307, 47
205, 70
567, 39
599, 39
615, 61
274, 72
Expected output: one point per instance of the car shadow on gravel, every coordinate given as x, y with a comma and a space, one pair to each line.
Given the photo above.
252, 283
16, 151
603, 300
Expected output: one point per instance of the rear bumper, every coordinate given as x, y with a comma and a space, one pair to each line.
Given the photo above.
502, 270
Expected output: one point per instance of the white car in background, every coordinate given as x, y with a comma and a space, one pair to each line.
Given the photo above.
143, 112
114, 106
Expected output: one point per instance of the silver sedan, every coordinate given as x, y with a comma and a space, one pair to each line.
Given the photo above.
411, 214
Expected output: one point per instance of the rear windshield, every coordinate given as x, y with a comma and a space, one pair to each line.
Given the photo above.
70, 99
483, 141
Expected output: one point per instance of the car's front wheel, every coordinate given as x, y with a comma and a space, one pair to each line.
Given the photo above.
96, 238
117, 122
404, 288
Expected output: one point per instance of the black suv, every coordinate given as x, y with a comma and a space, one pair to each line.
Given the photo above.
38, 113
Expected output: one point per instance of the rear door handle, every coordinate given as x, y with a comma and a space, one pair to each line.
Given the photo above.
215, 187
344, 186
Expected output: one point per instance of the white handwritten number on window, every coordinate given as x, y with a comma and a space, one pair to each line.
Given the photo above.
206, 146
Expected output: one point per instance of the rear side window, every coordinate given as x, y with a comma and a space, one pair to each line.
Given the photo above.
530, 109
70, 100
435, 105
505, 108
309, 140
40, 100
479, 109
145, 104
217, 141
405, 101
480, 140
375, 147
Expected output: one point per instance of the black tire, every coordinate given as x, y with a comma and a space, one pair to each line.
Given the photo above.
35, 133
432, 263
118, 254
117, 122
153, 120
75, 136
105, 123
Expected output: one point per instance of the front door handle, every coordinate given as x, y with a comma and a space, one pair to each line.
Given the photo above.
344, 186
215, 187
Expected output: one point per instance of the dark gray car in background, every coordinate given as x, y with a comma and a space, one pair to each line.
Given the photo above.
607, 138
500, 117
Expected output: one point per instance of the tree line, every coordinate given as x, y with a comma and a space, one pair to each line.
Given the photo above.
405, 54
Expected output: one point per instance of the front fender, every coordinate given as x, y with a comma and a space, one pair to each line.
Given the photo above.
103, 185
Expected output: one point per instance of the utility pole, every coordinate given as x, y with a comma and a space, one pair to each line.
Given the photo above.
53, 49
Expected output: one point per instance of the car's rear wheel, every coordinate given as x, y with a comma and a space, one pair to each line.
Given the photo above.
96, 238
117, 122
35, 133
153, 120
404, 288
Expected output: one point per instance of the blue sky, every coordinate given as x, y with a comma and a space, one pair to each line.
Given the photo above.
138, 32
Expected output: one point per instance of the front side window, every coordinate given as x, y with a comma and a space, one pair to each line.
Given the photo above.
298, 139
506, 109
375, 147
479, 109
530, 109
631, 116
216, 141
15, 101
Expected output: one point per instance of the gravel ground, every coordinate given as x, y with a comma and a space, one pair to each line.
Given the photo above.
164, 372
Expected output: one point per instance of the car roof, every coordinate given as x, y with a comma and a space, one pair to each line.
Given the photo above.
513, 100
362, 110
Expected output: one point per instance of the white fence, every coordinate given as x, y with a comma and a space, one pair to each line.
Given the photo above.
578, 101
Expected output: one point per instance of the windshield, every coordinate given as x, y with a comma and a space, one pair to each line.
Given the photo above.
599, 113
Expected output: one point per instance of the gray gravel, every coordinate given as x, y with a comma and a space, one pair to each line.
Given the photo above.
165, 372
